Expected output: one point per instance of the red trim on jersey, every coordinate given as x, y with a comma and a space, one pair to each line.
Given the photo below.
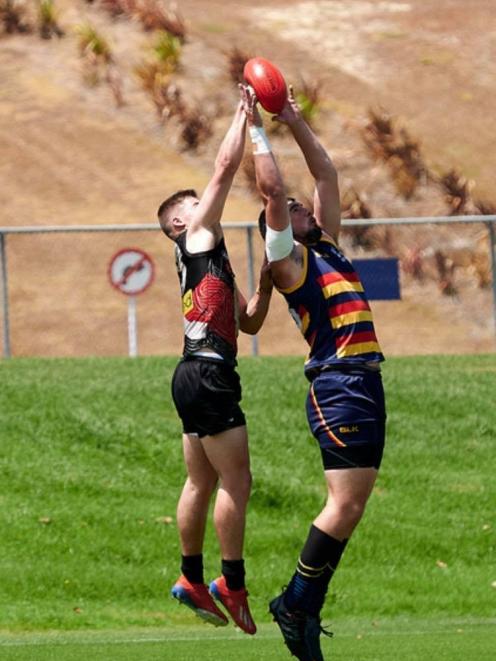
356, 338
348, 306
330, 278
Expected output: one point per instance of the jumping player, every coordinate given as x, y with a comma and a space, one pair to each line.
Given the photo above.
345, 404
206, 388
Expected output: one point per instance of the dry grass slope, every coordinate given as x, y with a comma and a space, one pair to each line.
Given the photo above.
74, 153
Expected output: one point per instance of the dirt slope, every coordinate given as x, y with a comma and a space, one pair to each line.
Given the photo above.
69, 156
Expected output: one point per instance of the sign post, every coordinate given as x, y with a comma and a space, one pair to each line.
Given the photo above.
131, 271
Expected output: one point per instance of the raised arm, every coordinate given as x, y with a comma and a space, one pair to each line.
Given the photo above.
252, 313
204, 230
285, 269
327, 207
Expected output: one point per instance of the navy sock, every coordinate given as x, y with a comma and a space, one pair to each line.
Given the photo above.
234, 573
192, 567
318, 562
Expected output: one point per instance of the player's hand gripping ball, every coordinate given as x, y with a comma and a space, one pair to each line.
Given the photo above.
268, 83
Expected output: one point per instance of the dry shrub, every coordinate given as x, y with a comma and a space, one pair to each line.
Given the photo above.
114, 80
413, 264
480, 269
152, 14
98, 61
196, 128
168, 100
457, 191
13, 17
395, 147
155, 15
118, 7
236, 60
445, 267
48, 20
353, 207
155, 75
165, 95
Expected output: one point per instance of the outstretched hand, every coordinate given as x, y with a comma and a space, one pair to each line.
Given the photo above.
249, 101
266, 282
291, 112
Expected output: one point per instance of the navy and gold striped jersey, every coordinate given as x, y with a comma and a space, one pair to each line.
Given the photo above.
329, 306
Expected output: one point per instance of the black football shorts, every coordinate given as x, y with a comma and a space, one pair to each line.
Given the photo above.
207, 393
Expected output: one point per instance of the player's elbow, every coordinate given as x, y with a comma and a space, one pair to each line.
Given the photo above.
247, 324
249, 329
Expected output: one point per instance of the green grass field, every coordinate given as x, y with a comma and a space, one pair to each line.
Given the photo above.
91, 469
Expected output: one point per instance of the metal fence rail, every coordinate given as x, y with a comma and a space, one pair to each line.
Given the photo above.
248, 227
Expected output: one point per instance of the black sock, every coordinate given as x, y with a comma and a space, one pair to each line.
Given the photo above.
318, 561
234, 573
192, 567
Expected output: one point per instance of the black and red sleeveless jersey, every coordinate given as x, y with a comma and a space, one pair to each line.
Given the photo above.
209, 300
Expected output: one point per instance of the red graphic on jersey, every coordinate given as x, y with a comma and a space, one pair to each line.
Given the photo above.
213, 304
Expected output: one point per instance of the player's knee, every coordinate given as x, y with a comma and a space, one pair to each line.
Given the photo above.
239, 483
202, 487
351, 511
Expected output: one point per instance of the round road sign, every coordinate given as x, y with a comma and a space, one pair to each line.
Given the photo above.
131, 271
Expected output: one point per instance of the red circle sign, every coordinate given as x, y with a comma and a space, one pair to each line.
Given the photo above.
131, 271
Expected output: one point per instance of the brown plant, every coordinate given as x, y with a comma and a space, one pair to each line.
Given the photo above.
457, 192
118, 7
395, 147
13, 17
48, 20
196, 128
354, 207
480, 268
154, 15
413, 263
446, 273
237, 59
114, 80
166, 96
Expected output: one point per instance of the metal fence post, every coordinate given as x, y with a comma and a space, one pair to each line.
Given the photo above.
492, 247
5, 296
251, 281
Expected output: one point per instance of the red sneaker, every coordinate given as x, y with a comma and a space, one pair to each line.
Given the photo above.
235, 602
197, 597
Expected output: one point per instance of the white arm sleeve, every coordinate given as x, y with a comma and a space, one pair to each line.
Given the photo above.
278, 245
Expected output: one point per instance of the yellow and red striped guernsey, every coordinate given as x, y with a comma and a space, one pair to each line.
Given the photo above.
331, 309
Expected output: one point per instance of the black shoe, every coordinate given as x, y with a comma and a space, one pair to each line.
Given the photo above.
301, 631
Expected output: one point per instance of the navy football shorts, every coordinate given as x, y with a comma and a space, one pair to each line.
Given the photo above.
207, 393
347, 414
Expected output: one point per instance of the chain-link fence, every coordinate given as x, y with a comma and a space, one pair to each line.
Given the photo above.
57, 299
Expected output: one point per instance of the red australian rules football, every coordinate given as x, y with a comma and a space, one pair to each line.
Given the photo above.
268, 83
